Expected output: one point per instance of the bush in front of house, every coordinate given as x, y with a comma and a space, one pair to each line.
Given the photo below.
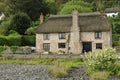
105, 59
28, 40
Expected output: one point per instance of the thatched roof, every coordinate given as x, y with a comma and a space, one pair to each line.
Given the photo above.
112, 10
87, 22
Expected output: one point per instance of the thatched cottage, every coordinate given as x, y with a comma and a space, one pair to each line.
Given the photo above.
74, 33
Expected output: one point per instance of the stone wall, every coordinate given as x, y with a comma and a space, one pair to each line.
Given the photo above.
54, 40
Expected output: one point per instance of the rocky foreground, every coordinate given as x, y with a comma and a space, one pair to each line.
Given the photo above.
37, 72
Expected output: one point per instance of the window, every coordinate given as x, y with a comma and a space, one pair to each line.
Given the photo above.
98, 45
61, 45
62, 35
46, 36
98, 35
46, 46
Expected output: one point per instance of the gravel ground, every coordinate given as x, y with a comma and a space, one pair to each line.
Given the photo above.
37, 72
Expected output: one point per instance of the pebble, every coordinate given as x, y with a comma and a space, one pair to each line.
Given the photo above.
37, 72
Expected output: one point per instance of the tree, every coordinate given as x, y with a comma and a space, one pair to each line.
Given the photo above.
115, 21
2, 6
32, 7
79, 4
117, 24
20, 22
4, 27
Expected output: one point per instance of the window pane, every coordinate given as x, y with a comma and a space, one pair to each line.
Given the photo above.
61, 45
62, 35
46, 36
98, 35
46, 46
98, 45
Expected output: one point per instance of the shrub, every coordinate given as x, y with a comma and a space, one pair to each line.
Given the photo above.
28, 40
116, 38
4, 27
20, 22
14, 40
103, 59
3, 40
10, 40
31, 31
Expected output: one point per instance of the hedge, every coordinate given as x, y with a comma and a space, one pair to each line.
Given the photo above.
28, 40
116, 37
17, 40
10, 40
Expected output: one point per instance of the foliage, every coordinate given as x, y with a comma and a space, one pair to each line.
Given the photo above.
13, 33
102, 59
81, 6
4, 27
10, 40
20, 22
52, 6
116, 39
28, 40
2, 6
31, 31
33, 8
115, 21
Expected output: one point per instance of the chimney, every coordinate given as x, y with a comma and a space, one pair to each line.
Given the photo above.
41, 18
75, 44
75, 18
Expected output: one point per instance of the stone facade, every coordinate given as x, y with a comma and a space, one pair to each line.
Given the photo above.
85, 37
90, 37
54, 40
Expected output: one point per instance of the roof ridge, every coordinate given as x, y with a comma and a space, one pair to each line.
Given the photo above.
80, 14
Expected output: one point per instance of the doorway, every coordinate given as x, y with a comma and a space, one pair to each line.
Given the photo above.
87, 46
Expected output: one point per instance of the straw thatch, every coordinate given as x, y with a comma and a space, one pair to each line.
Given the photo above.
112, 10
88, 22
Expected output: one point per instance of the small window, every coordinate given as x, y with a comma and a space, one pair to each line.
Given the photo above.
98, 35
46, 36
46, 46
98, 45
61, 45
62, 35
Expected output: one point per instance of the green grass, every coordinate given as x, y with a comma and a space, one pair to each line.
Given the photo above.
99, 75
61, 66
9, 60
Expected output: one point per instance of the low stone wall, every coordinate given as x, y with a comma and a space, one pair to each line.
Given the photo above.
20, 50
